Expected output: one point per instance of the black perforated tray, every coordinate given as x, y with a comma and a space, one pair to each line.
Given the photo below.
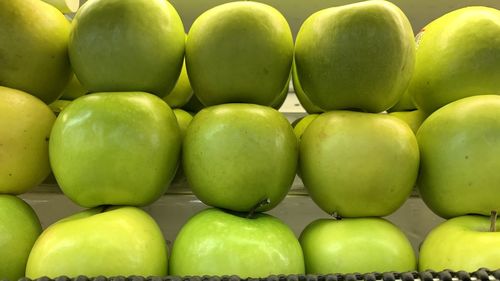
447, 275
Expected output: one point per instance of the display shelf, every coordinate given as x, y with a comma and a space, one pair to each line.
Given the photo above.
482, 274
178, 204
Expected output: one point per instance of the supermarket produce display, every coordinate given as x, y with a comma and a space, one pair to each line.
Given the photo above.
136, 144
446, 275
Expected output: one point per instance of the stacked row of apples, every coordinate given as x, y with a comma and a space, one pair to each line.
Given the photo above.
118, 147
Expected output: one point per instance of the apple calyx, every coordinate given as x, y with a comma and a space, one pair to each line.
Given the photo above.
261, 203
493, 221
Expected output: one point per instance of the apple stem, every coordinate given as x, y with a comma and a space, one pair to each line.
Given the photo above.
493, 221
336, 216
258, 205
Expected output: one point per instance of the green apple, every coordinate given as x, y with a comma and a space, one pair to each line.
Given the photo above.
184, 118
237, 155
405, 103
459, 146
19, 228
215, 242
461, 243
33, 48
458, 55
356, 56
127, 45
103, 241
119, 148
301, 96
182, 92
280, 99
356, 245
25, 125
358, 164
302, 124
58, 106
239, 52
413, 118
73, 90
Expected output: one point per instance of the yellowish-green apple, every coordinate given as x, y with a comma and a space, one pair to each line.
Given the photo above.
303, 123
103, 241
25, 126
463, 243
458, 55
184, 118
182, 91
356, 245
413, 118
34, 48
58, 106
73, 89
358, 164
459, 147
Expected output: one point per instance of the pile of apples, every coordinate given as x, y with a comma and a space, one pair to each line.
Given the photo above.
387, 111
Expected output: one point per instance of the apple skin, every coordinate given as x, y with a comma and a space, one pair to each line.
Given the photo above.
413, 118
127, 146
127, 45
19, 228
280, 99
100, 242
58, 106
358, 56
349, 246
73, 89
33, 48
461, 243
350, 159
239, 52
303, 123
215, 242
459, 146
405, 103
458, 55
236, 155
301, 96
182, 92
184, 118
25, 125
